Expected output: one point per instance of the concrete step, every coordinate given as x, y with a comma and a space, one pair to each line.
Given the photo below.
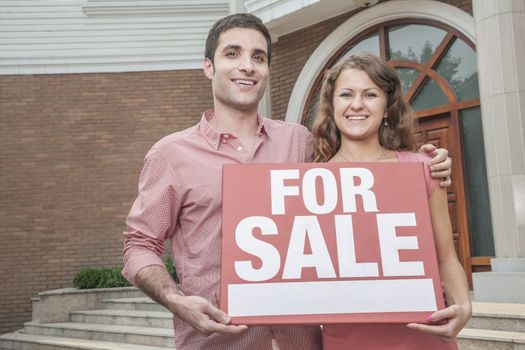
138, 304
498, 316
23, 341
484, 339
103, 332
160, 319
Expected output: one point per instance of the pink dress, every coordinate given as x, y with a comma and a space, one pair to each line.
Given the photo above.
385, 336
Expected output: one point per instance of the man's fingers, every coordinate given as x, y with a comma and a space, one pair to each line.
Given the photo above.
230, 329
427, 148
446, 182
217, 315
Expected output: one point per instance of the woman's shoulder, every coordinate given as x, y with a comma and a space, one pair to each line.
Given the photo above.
407, 156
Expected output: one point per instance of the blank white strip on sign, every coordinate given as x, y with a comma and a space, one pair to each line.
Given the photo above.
334, 297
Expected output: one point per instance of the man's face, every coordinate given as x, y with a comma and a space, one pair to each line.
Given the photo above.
240, 69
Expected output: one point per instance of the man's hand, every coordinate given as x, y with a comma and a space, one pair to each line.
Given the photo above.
440, 164
456, 317
202, 315
196, 311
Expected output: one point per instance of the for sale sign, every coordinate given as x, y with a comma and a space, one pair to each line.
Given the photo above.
327, 243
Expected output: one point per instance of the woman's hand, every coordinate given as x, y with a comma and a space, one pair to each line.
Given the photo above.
455, 316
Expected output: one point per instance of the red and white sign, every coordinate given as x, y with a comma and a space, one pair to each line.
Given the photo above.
327, 243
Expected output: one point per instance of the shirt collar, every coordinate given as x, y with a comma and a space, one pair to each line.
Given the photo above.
214, 137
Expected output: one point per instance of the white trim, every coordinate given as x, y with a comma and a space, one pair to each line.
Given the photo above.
424, 9
287, 16
96, 8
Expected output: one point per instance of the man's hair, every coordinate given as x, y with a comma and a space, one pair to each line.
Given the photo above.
237, 20
397, 135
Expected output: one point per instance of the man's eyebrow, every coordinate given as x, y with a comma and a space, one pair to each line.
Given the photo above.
232, 47
239, 47
260, 52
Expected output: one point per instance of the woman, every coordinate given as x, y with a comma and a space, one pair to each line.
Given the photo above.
364, 118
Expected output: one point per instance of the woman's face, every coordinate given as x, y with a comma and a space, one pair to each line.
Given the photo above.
359, 105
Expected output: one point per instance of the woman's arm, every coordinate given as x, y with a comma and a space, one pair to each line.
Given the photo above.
452, 275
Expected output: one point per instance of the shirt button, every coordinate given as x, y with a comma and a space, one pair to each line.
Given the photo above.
240, 148
226, 136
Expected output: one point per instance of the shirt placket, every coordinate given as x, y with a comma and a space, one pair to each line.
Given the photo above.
244, 155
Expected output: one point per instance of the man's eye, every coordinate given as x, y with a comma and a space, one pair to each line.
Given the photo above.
231, 54
259, 58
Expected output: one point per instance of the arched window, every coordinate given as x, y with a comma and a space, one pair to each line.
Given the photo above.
438, 70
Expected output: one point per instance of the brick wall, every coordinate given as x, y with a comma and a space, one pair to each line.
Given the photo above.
71, 149
292, 51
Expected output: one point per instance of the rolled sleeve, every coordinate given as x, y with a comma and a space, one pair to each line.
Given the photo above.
152, 217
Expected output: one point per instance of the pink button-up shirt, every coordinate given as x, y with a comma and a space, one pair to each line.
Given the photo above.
180, 199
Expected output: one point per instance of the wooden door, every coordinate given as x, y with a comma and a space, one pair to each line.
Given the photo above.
439, 130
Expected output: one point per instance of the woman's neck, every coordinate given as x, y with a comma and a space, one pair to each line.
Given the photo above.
362, 151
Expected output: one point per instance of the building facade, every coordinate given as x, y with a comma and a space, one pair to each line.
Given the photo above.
86, 88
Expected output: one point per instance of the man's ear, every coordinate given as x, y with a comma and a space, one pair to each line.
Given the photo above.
208, 68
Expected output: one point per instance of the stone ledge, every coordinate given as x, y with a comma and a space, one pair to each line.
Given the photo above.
55, 305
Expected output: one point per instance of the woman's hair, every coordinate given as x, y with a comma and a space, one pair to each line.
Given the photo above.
398, 135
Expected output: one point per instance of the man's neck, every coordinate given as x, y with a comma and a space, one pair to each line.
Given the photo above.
242, 124
239, 123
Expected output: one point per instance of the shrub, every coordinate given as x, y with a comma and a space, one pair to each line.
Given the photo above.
88, 278
171, 270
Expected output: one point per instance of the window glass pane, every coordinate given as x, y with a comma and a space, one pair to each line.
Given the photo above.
429, 96
408, 76
459, 67
370, 44
476, 185
414, 42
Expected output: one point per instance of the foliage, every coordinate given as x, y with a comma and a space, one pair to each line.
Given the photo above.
111, 277
100, 278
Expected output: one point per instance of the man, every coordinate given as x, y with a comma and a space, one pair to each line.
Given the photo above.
180, 195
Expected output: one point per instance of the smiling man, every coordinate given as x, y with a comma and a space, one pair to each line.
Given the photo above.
180, 195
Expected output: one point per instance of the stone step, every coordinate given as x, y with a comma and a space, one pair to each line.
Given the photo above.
138, 304
484, 339
498, 316
23, 341
103, 332
160, 319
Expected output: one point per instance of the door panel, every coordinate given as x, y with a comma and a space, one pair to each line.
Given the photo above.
439, 131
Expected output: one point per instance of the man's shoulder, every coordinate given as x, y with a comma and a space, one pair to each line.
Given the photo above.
175, 139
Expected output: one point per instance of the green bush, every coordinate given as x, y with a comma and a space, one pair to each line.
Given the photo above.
88, 278
171, 270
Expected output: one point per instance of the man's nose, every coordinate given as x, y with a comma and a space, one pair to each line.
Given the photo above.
246, 64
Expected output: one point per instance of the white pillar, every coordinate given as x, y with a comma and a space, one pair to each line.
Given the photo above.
500, 40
